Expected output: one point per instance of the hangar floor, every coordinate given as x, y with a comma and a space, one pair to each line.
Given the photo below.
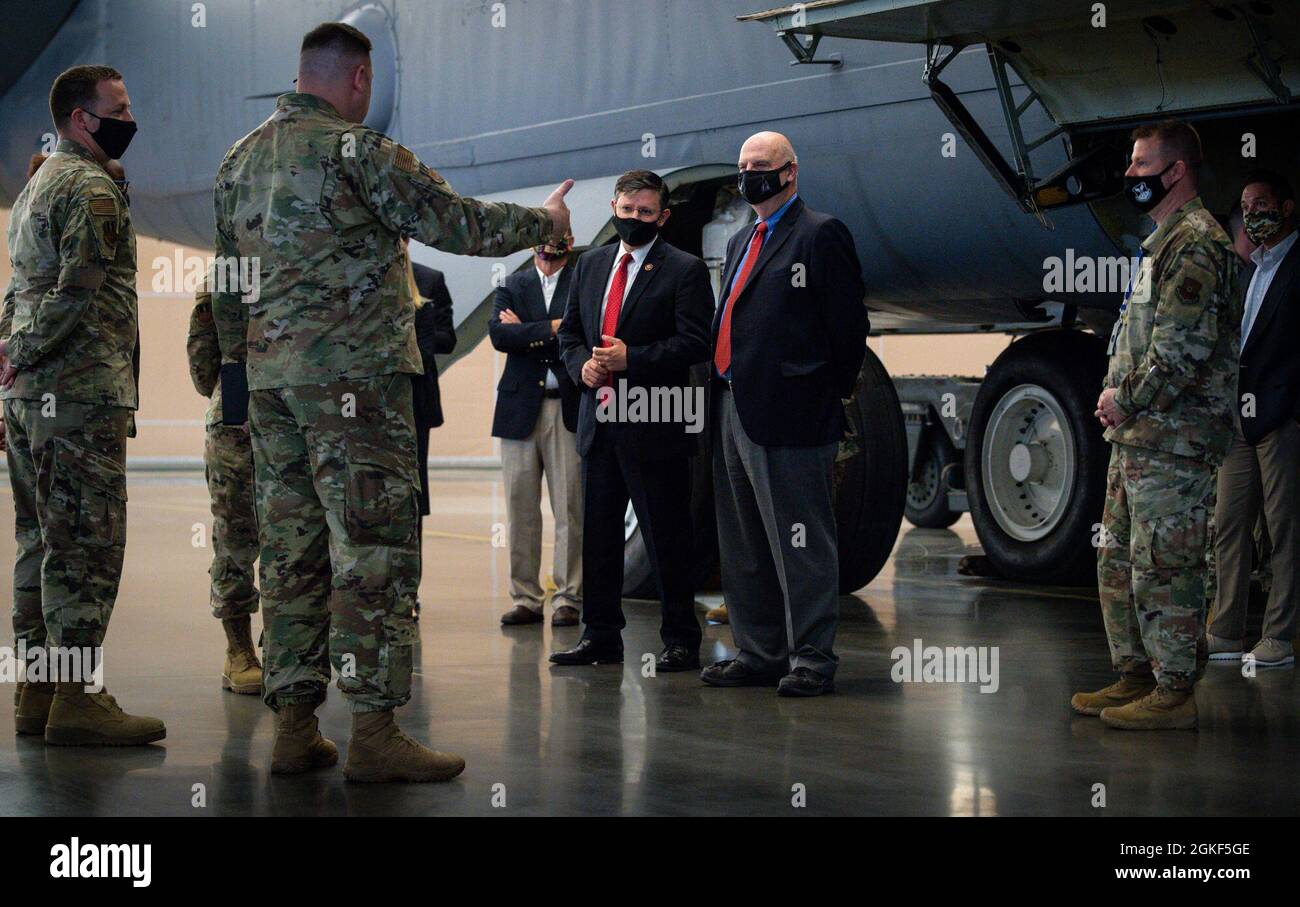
610, 741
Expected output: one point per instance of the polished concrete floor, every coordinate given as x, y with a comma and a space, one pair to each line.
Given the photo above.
601, 741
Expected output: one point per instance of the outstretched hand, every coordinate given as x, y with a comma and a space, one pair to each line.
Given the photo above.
558, 210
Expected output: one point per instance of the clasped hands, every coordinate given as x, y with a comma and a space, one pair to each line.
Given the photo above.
604, 361
1108, 412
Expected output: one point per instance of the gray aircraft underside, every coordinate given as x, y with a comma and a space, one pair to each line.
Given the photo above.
569, 88
507, 98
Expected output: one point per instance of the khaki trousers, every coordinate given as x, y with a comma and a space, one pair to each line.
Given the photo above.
551, 450
1255, 477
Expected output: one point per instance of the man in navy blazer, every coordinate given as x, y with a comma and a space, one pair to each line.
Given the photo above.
1261, 474
636, 321
789, 337
535, 418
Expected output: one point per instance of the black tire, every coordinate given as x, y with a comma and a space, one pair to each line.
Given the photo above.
870, 491
871, 477
638, 577
1069, 366
927, 497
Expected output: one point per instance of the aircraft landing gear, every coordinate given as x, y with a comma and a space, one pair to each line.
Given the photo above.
1036, 459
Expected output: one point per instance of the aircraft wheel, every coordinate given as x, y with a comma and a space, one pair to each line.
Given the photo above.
638, 576
1036, 459
870, 490
870, 477
927, 496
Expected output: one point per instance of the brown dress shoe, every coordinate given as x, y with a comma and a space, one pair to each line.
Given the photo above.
520, 614
564, 616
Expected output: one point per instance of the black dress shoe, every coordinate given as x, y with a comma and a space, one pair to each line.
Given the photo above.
733, 673
520, 614
589, 652
805, 682
677, 658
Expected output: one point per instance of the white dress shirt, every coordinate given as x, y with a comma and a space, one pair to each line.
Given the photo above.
1266, 265
633, 269
548, 292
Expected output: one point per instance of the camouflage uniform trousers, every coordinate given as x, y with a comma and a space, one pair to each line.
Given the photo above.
228, 465
337, 507
68, 474
1151, 567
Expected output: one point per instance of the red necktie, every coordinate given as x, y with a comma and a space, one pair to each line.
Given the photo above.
614, 304
722, 354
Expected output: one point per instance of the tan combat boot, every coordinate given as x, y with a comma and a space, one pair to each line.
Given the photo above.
33, 708
1128, 688
243, 672
1163, 709
381, 751
78, 718
299, 746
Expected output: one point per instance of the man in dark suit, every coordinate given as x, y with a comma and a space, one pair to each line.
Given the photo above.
536, 417
637, 319
789, 338
1262, 469
435, 334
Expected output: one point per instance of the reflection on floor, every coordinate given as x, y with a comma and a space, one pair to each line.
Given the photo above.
608, 740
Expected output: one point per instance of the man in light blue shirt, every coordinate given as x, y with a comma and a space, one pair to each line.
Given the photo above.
1262, 471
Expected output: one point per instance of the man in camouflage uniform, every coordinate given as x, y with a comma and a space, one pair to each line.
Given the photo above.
1167, 408
320, 204
68, 332
228, 467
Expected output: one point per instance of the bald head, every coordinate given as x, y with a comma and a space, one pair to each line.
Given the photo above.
769, 172
767, 150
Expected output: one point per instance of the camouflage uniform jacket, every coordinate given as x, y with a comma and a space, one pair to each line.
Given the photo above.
1173, 355
70, 311
323, 204
204, 354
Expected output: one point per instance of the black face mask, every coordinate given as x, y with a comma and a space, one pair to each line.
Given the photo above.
757, 186
112, 135
634, 231
1145, 192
